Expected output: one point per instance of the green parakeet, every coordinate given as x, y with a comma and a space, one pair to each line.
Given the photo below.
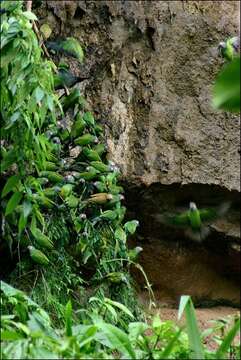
194, 220
73, 98
100, 166
228, 48
52, 176
37, 256
88, 175
89, 118
91, 155
86, 139
115, 199
72, 201
100, 148
66, 78
66, 190
108, 215
69, 46
116, 277
42, 240
133, 253
78, 126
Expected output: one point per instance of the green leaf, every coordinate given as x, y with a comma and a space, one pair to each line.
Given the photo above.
10, 291
12, 120
119, 306
8, 54
168, 349
112, 311
226, 92
192, 327
227, 341
39, 94
183, 302
68, 319
43, 353
117, 339
120, 234
50, 103
29, 15
8, 159
136, 329
131, 226
27, 208
10, 335
21, 223
156, 322
13, 202
10, 184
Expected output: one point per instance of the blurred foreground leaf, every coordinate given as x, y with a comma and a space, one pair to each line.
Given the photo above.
226, 92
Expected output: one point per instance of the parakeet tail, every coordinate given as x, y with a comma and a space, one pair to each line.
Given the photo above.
224, 208
198, 236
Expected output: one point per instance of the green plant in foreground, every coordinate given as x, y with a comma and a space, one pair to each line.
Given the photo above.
27, 333
226, 92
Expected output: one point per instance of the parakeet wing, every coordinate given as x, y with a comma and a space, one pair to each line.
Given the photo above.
210, 214
181, 220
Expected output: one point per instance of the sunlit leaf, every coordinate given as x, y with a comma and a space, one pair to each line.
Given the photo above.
226, 92
131, 226
68, 318
192, 327
120, 234
39, 94
29, 15
227, 341
119, 306
117, 339
10, 185
13, 202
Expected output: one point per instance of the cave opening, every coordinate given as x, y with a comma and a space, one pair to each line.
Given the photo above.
175, 265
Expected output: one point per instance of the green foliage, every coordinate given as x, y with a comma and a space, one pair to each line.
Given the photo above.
227, 87
27, 332
46, 196
192, 327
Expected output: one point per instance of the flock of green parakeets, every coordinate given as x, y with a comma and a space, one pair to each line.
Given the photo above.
86, 185
78, 182
102, 194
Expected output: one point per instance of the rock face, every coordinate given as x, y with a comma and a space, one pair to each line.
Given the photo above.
151, 67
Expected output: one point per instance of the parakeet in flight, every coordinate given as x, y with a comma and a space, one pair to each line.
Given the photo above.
228, 48
66, 78
194, 220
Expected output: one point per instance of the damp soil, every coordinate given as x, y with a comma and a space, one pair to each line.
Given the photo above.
205, 318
